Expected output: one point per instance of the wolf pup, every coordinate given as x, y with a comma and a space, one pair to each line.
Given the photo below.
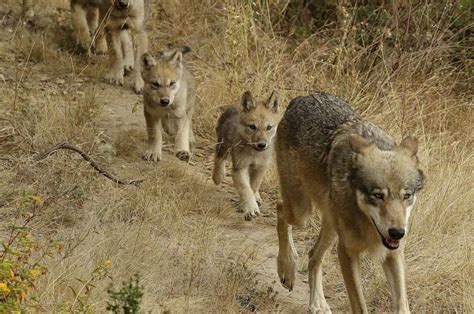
246, 132
169, 96
364, 185
116, 18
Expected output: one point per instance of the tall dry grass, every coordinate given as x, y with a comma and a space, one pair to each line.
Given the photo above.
407, 68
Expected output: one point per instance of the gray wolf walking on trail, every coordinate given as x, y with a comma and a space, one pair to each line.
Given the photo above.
246, 132
113, 19
363, 184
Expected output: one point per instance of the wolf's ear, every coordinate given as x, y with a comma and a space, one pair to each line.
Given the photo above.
247, 101
409, 145
358, 144
147, 61
176, 57
272, 102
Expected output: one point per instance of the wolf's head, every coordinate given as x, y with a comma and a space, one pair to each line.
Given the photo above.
385, 184
258, 121
163, 77
123, 4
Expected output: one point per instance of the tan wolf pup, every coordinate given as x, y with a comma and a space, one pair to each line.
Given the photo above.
364, 185
246, 132
114, 19
169, 95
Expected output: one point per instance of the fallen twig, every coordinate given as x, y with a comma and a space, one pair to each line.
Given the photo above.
91, 162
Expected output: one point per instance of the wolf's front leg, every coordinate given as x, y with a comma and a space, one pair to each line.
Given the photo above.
248, 203
80, 27
127, 49
115, 75
350, 267
155, 138
141, 40
395, 273
256, 178
182, 138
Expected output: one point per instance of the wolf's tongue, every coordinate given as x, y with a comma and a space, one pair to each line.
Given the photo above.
393, 243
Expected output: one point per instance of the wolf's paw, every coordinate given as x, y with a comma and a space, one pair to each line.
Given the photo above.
319, 307
128, 67
139, 84
152, 155
115, 77
286, 271
183, 155
250, 210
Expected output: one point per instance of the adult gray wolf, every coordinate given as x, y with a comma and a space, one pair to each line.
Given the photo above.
364, 185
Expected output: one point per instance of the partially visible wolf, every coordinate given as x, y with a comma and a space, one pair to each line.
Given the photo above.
246, 132
169, 97
363, 183
114, 19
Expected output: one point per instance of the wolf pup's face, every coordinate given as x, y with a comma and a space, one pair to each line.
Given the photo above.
386, 183
122, 4
258, 121
162, 78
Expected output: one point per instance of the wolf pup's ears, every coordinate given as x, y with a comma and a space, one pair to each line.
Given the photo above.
409, 145
358, 144
176, 58
272, 102
247, 101
147, 61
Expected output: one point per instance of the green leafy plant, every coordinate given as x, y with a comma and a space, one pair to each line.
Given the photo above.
126, 300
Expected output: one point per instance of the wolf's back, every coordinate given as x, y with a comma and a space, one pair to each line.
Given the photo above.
312, 120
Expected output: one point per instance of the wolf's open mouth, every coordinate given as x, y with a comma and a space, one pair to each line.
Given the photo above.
389, 244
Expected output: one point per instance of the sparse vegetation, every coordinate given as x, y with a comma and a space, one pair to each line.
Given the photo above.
406, 66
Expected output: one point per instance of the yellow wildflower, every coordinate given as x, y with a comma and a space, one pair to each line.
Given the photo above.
37, 198
108, 263
4, 288
34, 273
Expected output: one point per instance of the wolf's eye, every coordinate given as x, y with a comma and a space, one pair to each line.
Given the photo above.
155, 84
252, 126
269, 127
407, 196
172, 84
378, 196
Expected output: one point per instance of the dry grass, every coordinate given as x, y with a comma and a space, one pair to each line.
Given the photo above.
177, 230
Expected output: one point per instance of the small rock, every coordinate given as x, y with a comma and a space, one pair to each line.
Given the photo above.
60, 82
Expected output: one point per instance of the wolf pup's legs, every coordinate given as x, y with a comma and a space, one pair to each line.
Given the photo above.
256, 178
350, 267
81, 27
182, 138
395, 273
115, 75
326, 239
155, 138
222, 151
127, 49
248, 204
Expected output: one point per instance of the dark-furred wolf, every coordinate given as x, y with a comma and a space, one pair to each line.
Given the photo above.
364, 185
